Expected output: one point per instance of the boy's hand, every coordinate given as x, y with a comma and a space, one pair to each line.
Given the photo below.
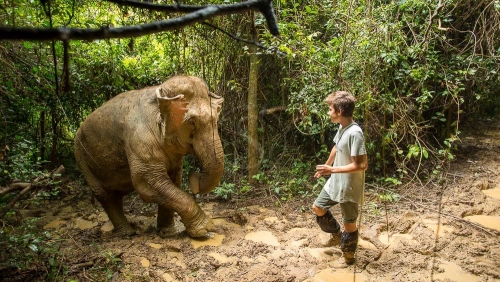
322, 170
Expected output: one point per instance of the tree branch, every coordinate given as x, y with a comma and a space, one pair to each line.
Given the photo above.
13, 187
264, 6
271, 111
431, 19
198, 15
263, 47
179, 8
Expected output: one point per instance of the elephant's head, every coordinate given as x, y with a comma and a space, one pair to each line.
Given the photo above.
189, 113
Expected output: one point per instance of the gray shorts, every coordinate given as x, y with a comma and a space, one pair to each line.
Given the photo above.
349, 209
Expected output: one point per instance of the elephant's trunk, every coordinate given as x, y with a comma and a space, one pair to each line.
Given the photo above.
211, 157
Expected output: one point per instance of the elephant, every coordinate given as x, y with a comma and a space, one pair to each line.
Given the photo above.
137, 141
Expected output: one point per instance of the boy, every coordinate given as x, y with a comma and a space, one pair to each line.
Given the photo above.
346, 165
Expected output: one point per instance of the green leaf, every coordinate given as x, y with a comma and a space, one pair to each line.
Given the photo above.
27, 44
33, 247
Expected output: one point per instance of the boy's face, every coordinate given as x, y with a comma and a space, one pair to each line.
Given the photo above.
334, 116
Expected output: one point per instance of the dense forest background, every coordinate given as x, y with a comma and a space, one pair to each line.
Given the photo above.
420, 69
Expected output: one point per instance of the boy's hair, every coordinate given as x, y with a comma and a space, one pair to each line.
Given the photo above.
342, 101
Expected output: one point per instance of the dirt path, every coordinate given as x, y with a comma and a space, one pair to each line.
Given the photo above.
261, 242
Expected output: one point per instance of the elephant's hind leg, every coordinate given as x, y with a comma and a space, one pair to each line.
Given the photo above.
165, 217
112, 202
165, 223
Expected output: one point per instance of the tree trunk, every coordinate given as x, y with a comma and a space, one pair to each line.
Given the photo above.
253, 111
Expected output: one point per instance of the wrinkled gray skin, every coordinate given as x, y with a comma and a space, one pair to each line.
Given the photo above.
136, 141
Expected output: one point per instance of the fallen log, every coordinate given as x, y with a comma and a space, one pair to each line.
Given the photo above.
26, 187
13, 187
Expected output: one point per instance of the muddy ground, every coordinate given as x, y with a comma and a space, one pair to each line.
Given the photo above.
435, 232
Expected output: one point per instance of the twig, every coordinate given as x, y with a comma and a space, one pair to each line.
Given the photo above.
83, 264
232, 36
178, 8
78, 246
86, 277
434, 15
478, 226
60, 265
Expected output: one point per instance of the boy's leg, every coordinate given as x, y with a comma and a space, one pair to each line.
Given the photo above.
349, 238
325, 219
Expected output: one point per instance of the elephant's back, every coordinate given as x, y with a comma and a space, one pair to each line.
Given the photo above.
113, 115
103, 134
124, 104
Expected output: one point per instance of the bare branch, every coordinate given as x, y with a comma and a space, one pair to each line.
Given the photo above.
272, 111
13, 187
263, 47
179, 8
199, 15
431, 19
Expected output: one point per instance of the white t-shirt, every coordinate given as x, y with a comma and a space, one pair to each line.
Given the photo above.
347, 187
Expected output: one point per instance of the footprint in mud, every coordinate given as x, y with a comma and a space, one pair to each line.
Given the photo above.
324, 254
265, 237
212, 239
333, 252
389, 240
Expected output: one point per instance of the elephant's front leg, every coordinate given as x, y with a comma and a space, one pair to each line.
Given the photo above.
171, 199
197, 223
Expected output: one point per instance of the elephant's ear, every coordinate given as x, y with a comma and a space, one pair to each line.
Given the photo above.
216, 101
172, 109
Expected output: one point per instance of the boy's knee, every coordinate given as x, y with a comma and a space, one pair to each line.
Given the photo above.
318, 211
327, 222
350, 227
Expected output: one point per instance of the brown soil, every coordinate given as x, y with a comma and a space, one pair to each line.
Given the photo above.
435, 232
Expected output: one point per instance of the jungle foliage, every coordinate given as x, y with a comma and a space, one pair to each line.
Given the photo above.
418, 68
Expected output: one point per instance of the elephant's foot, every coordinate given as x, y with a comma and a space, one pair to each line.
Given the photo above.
201, 227
166, 226
167, 231
125, 231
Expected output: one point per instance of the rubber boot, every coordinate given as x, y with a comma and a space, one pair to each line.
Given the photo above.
333, 240
348, 245
329, 224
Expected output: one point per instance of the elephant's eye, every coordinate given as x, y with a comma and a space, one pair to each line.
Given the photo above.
192, 123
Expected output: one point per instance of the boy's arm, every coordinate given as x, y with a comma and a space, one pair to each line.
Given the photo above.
331, 158
359, 163
329, 161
